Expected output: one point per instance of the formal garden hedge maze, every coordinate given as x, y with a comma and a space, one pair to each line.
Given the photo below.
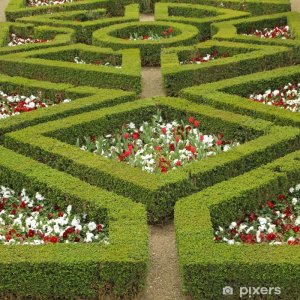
86, 164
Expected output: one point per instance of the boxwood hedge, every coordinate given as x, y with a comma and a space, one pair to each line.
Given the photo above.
79, 20
233, 94
53, 143
240, 59
57, 64
58, 36
206, 266
83, 98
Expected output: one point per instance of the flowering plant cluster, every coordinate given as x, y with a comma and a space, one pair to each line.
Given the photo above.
277, 222
158, 146
151, 36
287, 97
19, 40
32, 3
199, 58
77, 60
14, 104
278, 32
28, 220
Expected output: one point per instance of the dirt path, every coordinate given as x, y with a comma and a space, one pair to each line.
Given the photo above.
146, 17
152, 82
3, 4
295, 5
163, 281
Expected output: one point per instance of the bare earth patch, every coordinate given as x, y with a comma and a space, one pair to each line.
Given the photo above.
152, 82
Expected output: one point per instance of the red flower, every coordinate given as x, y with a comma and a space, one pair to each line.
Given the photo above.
170, 30
30, 233
145, 37
191, 120
164, 130
281, 197
99, 227
158, 148
178, 163
126, 135
172, 147
196, 123
296, 229
163, 169
219, 143
60, 214
270, 204
135, 135
53, 239
271, 236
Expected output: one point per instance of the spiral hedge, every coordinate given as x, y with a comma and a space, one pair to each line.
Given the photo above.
38, 148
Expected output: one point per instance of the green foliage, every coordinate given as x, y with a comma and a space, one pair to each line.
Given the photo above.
232, 94
241, 59
54, 144
207, 267
57, 64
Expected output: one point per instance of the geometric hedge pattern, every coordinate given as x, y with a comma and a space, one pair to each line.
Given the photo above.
38, 149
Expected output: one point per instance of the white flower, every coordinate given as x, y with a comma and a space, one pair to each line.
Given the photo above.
92, 226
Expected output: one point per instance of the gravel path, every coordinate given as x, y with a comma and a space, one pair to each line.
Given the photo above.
295, 5
3, 4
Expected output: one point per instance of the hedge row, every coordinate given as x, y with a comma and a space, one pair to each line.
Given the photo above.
234, 30
207, 267
117, 37
201, 16
242, 59
83, 99
18, 9
58, 36
255, 7
67, 271
53, 143
85, 28
233, 94
57, 65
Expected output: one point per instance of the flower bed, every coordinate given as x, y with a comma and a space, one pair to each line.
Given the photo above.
13, 104
158, 146
16, 40
199, 58
151, 36
32, 3
287, 97
278, 32
26, 220
277, 222
99, 62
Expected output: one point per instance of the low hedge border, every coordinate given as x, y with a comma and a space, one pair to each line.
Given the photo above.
53, 143
231, 30
40, 65
150, 50
67, 271
255, 7
85, 29
59, 36
195, 15
83, 99
243, 59
18, 9
230, 94
207, 267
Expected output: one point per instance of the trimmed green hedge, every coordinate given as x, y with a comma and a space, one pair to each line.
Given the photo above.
84, 29
57, 65
255, 7
242, 59
54, 144
83, 99
233, 94
117, 37
67, 271
233, 30
206, 266
18, 9
201, 16
59, 36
